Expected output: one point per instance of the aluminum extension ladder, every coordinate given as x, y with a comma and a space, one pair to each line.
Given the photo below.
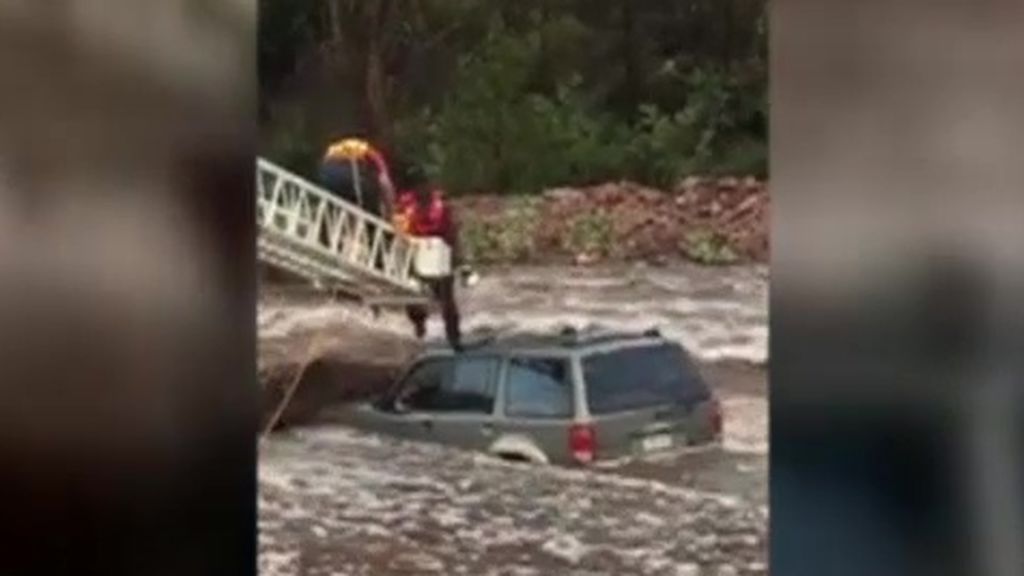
335, 245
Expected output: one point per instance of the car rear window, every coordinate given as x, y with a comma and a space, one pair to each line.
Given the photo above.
640, 377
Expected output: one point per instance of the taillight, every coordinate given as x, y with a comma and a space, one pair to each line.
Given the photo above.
716, 417
582, 442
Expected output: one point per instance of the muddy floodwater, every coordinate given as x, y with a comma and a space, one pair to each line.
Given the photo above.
338, 501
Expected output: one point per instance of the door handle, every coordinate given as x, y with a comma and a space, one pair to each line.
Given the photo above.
427, 424
487, 429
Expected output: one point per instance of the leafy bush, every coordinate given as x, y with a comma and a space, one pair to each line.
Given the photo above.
745, 157
708, 248
484, 130
710, 135
590, 233
508, 237
489, 137
491, 134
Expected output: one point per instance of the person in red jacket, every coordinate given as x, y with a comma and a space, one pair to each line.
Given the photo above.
424, 212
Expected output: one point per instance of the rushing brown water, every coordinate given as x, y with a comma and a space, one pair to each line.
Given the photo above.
340, 501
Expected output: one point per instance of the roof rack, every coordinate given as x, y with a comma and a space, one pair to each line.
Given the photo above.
572, 335
566, 336
569, 334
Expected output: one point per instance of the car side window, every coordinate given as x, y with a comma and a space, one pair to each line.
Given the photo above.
538, 388
465, 385
423, 383
471, 387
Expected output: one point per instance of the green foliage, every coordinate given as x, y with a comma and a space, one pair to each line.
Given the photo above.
516, 97
709, 248
710, 135
489, 137
743, 157
590, 233
507, 238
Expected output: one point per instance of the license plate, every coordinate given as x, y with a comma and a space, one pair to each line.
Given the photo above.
657, 442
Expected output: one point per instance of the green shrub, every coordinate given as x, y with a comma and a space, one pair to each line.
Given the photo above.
708, 248
716, 132
590, 233
493, 134
506, 238
747, 157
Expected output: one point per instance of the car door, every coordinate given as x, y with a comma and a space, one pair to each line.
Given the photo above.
539, 403
462, 413
408, 413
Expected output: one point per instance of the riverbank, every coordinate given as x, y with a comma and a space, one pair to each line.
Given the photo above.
707, 221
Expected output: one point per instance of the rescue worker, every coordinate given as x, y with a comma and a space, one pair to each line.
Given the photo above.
423, 211
344, 170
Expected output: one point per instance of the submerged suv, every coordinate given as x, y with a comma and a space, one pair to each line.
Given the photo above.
566, 398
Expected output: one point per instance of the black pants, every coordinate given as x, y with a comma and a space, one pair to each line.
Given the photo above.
443, 290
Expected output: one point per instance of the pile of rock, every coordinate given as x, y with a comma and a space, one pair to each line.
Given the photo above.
637, 222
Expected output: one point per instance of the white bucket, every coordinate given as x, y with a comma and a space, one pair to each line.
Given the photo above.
433, 258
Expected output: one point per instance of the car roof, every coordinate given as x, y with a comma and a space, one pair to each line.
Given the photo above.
564, 342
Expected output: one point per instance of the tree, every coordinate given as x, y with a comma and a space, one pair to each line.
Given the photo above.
598, 85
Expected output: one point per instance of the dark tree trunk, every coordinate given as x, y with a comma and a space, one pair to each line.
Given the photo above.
376, 87
630, 56
376, 94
